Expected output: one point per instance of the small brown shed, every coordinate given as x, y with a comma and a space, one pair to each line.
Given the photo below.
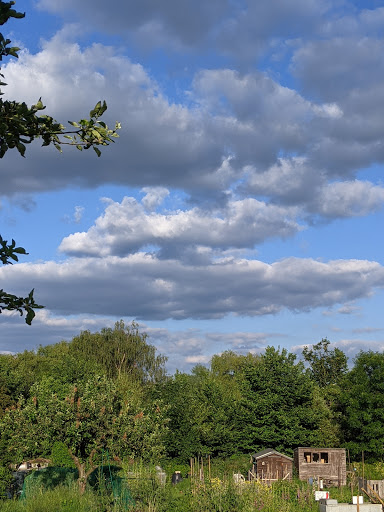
326, 464
269, 465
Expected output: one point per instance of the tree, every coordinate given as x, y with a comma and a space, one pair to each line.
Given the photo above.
201, 413
87, 418
326, 366
276, 407
20, 125
121, 351
229, 364
327, 369
362, 406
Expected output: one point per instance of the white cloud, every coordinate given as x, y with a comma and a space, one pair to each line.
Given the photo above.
78, 214
333, 66
235, 132
154, 196
349, 199
290, 180
126, 227
236, 28
351, 347
161, 143
146, 287
262, 146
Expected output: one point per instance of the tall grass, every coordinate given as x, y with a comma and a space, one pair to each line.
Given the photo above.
60, 499
199, 493
147, 493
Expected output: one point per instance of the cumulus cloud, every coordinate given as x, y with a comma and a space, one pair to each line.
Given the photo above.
177, 24
146, 287
345, 309
349, 199
347, 72
161, 143
126, 227
154, 196
352, 347
277, 135
327, 68
235, 130
78, 214
289, 180
292, 181
235, 28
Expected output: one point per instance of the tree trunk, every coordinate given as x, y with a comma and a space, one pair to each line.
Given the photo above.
81, 468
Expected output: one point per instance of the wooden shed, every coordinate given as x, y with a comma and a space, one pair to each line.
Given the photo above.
326, 464
269, 465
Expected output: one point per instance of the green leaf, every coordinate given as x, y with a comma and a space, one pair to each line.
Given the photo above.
97, 151
13, 51
30, 316
21, 148
94, 112
39, 105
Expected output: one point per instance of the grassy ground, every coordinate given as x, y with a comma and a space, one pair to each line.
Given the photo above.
216, 495
205, 490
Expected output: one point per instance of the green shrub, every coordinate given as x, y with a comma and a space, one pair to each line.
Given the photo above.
60, 456
5, 480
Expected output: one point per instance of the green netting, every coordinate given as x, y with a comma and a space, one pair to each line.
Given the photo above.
104, 480
120, 490
47, 478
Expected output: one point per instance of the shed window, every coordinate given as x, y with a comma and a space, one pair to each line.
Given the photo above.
315, 457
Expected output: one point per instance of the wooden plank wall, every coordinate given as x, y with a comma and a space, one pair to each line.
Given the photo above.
331, 467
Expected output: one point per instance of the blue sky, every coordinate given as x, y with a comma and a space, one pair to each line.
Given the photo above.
242, 205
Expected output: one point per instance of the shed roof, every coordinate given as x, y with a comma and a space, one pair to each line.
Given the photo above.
313, 448
269, 451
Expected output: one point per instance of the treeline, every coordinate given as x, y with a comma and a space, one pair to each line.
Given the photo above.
108, 391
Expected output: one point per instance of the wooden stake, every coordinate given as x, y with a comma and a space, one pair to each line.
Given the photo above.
369, 496
375, 494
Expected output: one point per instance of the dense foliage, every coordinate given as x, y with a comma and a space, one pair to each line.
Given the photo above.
60, 394
109, 391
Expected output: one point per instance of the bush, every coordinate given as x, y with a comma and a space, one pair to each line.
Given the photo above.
5, 481
60, 456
